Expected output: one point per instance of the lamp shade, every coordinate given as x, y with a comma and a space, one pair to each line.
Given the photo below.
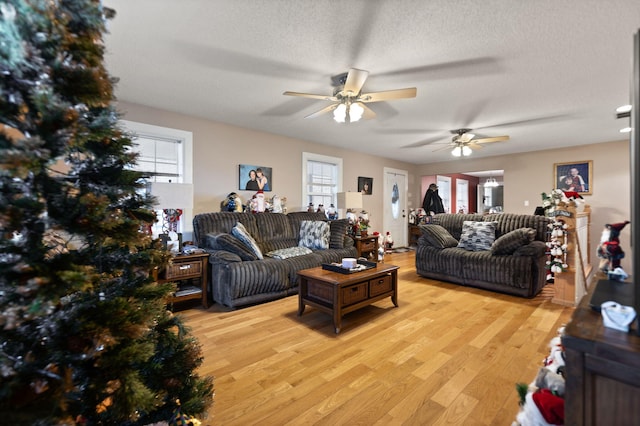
173, 195
349, 200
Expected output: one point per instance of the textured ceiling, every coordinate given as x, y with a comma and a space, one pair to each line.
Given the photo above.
547, 73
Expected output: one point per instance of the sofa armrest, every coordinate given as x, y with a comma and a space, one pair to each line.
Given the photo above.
534, 248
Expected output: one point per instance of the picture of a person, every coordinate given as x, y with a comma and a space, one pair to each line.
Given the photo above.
365, 188
567, 184
252, 183
263, 182
577, 182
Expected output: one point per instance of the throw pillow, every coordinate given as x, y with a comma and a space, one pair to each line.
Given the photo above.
438, 236
241, 233
314, 234
477, 236
511, 241
231, 244
289, 252
338, 230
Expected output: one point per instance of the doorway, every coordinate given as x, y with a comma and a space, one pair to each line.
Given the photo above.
394, 215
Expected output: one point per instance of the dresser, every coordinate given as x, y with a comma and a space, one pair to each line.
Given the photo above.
602, 370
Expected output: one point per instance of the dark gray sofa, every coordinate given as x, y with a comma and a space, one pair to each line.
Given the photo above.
235, 282
519, 269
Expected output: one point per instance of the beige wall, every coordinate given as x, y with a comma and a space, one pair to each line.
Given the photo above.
219, 148
528, 175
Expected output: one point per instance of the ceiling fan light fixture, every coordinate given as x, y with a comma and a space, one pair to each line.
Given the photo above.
466, 151
340, 113
457, 151
491, 182
355, 112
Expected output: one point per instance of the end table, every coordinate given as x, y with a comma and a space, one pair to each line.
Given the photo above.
183, 269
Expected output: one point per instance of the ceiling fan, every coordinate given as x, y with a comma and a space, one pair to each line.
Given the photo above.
349, 103
463, 142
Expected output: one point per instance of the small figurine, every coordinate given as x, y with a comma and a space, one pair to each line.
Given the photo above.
332, 213
388, 242
609, 249
310, 208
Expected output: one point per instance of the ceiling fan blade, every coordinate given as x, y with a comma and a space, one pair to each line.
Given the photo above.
368, 113
355, 81
474, 145
323, 111
386, 95
311, 96
424, 142
493, 139
447, 146
466, 137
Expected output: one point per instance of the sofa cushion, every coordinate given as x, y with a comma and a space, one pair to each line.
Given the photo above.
511, 241
477, 236
438, 236
314, 234
338, 229
289, 252
228, 242
240, 232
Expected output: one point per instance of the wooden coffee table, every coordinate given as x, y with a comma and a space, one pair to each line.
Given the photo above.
339, 294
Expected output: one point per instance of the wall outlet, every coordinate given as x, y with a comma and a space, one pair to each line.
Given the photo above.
526, 203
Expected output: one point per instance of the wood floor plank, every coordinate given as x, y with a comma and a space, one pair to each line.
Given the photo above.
446, 355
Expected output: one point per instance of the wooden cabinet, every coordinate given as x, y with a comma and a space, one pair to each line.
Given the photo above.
571, 285
190, 272
414, 234
602, 371
367, 247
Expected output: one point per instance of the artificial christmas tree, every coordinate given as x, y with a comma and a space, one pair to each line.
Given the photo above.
85, 336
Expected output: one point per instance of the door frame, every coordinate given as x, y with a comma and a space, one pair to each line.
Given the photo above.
386, 195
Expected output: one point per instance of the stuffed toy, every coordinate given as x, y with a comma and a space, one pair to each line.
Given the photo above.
232, 203
609, 249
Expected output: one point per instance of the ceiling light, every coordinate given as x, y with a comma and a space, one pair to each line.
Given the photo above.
461, 150
623, 111
348, 112
491, 182
625, 130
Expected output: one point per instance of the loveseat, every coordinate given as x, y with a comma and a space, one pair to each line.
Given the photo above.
241, 275
499, 252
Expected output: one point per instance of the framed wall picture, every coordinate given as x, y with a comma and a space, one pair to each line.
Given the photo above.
576, 176
254, 178
365, 185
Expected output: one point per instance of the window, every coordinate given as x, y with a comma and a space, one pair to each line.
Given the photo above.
322, 179
166, 154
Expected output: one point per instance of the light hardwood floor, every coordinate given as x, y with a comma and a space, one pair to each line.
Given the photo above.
447, 355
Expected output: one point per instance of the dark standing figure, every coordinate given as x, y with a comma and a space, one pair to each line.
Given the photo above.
432, 203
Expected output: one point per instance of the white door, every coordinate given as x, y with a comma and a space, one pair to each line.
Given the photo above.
394, 204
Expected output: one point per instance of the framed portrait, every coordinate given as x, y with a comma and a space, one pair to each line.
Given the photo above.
365, 185
254, 178
576, 176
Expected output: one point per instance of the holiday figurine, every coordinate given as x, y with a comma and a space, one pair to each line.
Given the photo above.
310, 208
609, 249
332, 213
388, 242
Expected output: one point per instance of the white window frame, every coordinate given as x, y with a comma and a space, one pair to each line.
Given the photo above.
185, 159
336, 161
